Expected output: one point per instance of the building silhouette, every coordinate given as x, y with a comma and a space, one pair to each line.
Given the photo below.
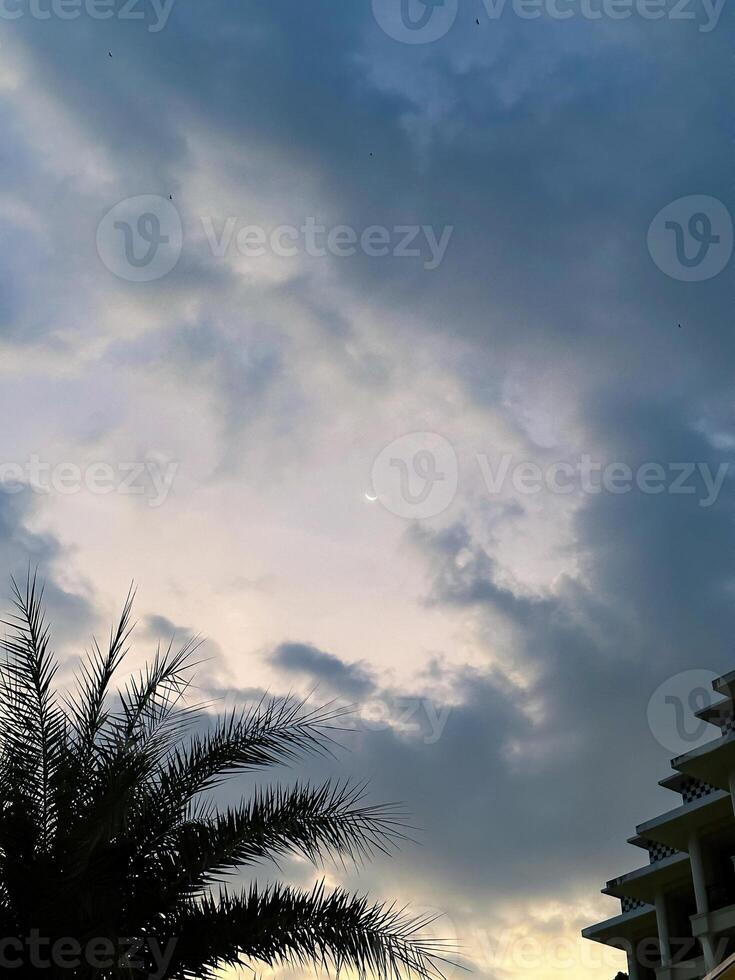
677, 919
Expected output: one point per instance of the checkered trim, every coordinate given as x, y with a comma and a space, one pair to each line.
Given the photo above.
657, 852
695, 789
631, 904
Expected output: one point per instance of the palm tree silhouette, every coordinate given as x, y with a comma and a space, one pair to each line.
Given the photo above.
109, 842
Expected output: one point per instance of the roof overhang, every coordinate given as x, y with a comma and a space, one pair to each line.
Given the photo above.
665, 875
712, 762
715, 713
725, 685
676, 827
624, 929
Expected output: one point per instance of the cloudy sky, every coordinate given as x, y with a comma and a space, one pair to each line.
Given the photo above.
390, 348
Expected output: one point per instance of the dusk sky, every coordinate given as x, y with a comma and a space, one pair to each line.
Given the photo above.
390, 348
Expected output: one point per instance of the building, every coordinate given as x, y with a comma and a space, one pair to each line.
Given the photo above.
677, 919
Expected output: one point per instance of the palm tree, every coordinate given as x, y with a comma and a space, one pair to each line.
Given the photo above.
112, 856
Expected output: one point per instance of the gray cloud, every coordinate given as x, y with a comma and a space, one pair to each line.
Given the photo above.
351, 680
22, 549
549, 148
159, 626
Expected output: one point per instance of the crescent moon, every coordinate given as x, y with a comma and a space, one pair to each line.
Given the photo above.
370, 498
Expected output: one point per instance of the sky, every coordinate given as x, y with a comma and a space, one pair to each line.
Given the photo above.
389, 347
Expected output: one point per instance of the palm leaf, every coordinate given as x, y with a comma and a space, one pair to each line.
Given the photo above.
35, 729
282, 926
107, 829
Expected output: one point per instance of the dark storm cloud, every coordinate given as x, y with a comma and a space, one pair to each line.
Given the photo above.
528, 786
654, 598
160, 626
210, 667
562, 141
351, 680
503, 801
549, 150
22, 549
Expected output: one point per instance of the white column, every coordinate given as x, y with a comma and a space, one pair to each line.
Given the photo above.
731, 781
634, 972
700, 893
698, 877
662, 921
708, 948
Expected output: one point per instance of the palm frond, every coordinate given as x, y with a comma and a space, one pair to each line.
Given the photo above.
106, 829
150, 699
274, 731
35, 729
87, 706
319, 822
328, 820
282, 926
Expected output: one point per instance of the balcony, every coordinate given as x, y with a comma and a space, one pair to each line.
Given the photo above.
714, 923
686, 970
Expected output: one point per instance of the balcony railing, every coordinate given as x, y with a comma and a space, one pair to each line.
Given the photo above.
686, 970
